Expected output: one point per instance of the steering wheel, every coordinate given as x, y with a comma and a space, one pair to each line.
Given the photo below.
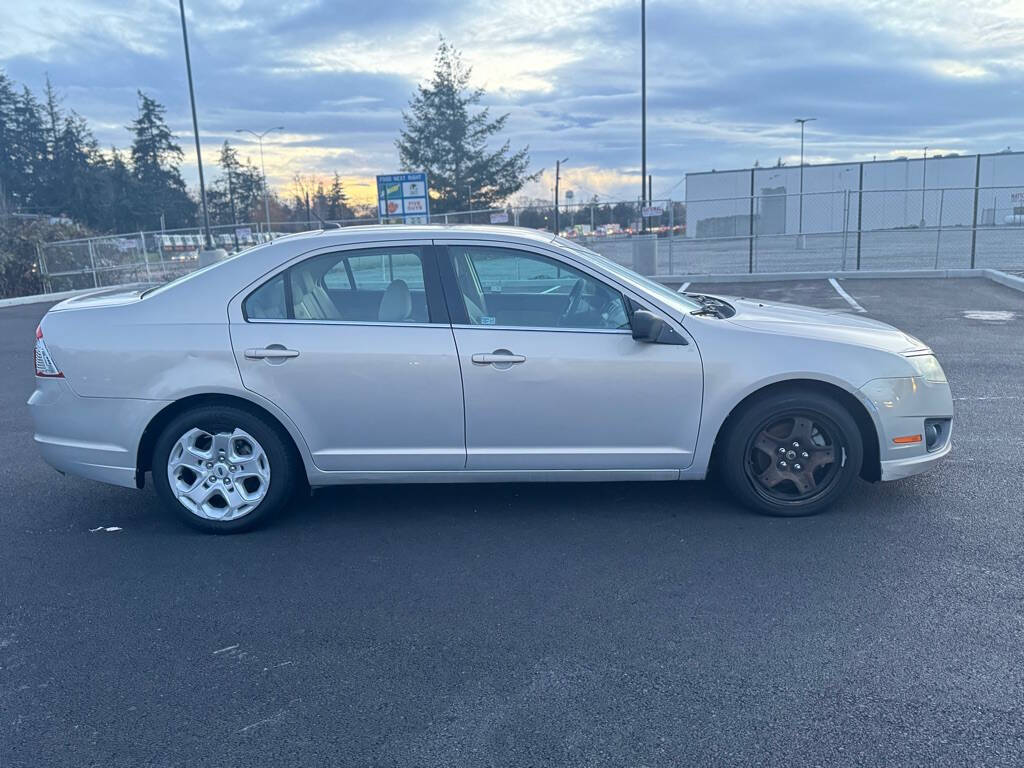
575, 294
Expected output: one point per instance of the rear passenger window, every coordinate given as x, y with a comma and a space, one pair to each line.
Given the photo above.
267, 302
371, 285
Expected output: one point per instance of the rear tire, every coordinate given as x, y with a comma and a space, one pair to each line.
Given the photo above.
222, 469
791, 453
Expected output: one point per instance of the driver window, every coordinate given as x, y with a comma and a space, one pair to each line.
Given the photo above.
508, 287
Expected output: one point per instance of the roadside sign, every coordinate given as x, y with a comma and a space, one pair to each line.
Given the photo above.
244, 234
499, 218
652, 212
403, 198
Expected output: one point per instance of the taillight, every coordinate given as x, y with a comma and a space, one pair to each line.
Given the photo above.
44, 363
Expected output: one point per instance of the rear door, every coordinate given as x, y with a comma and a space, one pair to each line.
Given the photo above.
553, 378
354, 344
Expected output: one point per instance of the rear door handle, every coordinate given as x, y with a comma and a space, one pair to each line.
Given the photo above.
270, 353
497, 356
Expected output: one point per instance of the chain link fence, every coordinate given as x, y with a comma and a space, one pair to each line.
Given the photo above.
900, 229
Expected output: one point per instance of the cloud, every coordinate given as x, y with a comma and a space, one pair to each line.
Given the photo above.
725, 78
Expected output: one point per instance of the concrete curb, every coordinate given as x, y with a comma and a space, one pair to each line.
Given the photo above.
1010, 281
767, 277
44, 298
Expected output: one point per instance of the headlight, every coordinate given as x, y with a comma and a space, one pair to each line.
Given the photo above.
928, 367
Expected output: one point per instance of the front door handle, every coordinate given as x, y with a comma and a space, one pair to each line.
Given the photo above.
274, 352
499, 357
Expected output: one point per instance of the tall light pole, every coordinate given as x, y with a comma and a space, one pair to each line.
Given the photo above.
803, 121
643, 109
263, 168
924, 179
469, 188
195, 130
558, 171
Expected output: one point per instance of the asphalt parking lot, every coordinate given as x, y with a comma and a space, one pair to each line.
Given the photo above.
562, 625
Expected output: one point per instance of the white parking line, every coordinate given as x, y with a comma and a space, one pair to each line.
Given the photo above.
849, 299
683, 287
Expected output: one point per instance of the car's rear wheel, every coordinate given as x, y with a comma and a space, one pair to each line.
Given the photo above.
791, 453
223, 469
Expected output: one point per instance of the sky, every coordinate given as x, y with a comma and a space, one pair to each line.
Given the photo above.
726, 78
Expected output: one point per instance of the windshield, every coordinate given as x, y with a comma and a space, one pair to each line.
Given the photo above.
672, 298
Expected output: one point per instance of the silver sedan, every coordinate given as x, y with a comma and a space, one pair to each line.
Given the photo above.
469, 354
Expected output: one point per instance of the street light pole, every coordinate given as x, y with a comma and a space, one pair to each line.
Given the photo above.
643, 109
558, 171
803, 121
195, 129
469, 188
263, 168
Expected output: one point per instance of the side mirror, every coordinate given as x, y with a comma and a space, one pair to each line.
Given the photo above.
646, 325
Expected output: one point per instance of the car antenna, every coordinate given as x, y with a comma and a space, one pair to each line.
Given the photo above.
325, 224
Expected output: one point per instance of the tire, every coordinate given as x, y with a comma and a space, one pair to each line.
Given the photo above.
253, 480
817, 465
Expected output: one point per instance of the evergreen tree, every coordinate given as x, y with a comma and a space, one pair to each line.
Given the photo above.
8, 129
445, 137
337, 201
156, 160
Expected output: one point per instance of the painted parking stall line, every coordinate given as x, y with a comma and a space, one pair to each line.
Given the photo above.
683, 287
847, 297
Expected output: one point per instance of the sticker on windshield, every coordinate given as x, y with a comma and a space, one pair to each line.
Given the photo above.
487, 320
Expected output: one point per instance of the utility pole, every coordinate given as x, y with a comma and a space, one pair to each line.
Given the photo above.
234, 214
558, 172
263, 168
469, 188
195, 129
803, 121
643, 107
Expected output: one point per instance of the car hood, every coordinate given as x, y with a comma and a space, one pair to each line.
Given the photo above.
106, 297
829, 325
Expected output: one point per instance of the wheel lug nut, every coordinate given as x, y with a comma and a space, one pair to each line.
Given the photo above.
209, 465
782, 465
796, 444
782, 450
797, 467
804, 454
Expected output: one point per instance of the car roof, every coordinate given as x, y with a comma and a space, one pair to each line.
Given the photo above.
422, 232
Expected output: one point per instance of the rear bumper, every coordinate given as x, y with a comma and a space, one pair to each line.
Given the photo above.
92, 437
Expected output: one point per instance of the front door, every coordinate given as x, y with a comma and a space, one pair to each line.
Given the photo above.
553, 378
355, 346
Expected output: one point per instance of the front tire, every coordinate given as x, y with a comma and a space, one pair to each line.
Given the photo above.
791, 453
222, 469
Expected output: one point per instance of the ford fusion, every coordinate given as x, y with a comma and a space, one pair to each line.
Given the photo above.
469, 354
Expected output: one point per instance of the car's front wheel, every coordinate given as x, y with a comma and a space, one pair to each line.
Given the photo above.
223, 469
791, 453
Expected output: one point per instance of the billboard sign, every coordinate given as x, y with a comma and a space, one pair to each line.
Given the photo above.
402, 198
499, 218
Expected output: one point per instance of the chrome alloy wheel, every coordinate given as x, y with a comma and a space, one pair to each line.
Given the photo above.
218, 476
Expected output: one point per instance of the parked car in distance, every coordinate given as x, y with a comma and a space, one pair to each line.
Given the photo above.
425, 354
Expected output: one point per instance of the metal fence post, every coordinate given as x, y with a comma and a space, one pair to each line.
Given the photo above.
860, 209
41, 266
846, 227
92, 263
145, 256
750, 244
938, 234
974, 218
671, 235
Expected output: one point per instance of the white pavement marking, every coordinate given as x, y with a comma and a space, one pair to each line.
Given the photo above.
989, 316
229, 648
683, 287
849, 299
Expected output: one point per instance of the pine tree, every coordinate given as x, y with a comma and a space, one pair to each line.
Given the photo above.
337, 201
445, 138
156, 160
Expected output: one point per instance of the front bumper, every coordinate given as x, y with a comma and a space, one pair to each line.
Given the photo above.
92, 437
901, 408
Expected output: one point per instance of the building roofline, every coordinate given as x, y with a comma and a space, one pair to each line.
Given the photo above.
849, 163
